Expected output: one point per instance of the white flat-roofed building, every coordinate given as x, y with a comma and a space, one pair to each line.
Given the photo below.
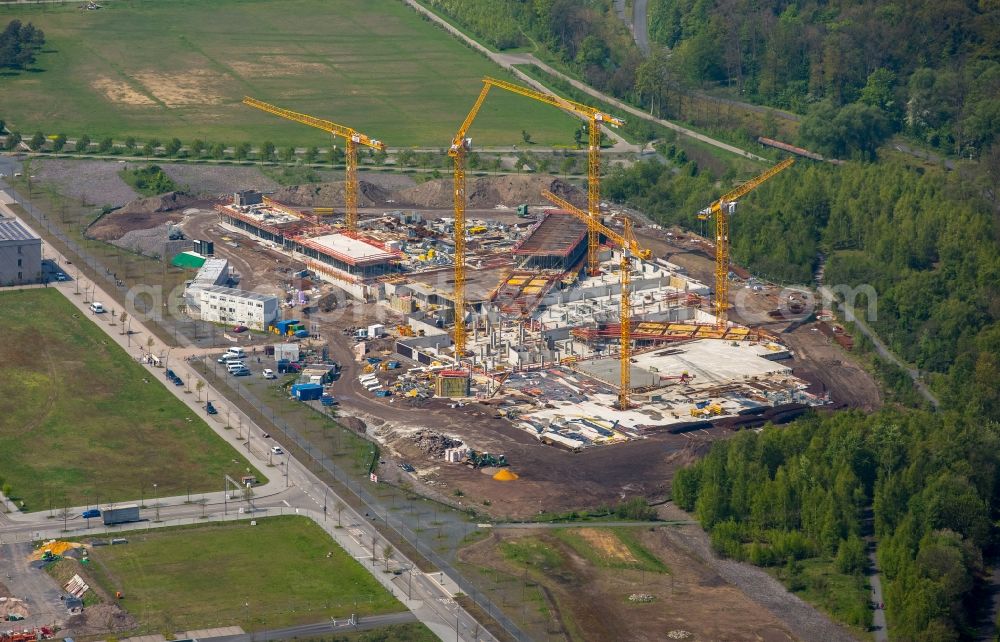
237, 307
20, 254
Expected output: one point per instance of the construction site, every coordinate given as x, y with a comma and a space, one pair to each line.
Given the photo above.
540, 323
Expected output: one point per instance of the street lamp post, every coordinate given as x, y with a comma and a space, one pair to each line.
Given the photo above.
156, 500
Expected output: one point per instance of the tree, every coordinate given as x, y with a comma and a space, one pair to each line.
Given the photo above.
199, 386
198, 147
287, 154
106, 145
879, 92
18, 45
339, 506
387, 555
83, 144
59, 142
242, 151
122, 318
311, 154
218, 151
568, 165
172, 147
130, 144
149, 149
267, 151
526, 137
335, 155
37, 142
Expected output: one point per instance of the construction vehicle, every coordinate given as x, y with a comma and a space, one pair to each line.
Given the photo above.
522, 211
486, 460
460, 146
703, 409
352, 138
722, 209
630, 247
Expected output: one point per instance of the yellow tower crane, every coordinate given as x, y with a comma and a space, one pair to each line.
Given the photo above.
630, 249
458, 151
721, 209
352, 139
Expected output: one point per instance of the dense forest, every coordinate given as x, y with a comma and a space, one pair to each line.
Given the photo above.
584, 36
864, 69
18, 45
798, 497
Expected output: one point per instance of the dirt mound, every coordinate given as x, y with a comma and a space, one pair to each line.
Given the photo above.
488, 192
13, 606
353, 423
141, 214
99, 619
330, 194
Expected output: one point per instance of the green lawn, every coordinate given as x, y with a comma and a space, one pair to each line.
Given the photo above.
78, 421
281, 572
180, 68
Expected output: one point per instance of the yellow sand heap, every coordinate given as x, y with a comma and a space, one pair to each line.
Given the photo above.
56, 547
505, 475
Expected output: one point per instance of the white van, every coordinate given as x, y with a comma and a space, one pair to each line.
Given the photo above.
238, 352
97, 308
229, 358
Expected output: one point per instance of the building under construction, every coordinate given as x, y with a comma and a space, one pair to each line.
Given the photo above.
557, 242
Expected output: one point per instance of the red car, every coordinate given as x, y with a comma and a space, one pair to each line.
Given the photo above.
240, 328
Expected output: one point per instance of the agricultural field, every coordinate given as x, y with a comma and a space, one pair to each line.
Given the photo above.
82, 422
285, 571
180, 69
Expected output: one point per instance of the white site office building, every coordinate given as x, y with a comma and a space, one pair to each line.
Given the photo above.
237, 307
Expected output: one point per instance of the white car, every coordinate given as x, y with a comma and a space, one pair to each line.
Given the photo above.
276, 450
269, 374
97, 308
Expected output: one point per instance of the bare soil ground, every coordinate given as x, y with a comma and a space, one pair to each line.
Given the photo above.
579, 600
141, 214
92, 182
491, 191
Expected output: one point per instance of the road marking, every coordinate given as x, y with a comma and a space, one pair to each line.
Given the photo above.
285, 502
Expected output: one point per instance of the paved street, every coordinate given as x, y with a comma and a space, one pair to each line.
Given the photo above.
292, 489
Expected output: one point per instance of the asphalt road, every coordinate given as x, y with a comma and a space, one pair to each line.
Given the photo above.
321, 629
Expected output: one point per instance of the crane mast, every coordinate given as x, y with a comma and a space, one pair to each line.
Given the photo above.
352, 139
722, 209
458, 151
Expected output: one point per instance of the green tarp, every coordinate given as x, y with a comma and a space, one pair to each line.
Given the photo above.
188, 260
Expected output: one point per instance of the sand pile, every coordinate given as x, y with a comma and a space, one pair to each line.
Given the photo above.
505, 475
57, 547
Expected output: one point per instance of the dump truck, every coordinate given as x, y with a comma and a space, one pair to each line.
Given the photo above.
121, 515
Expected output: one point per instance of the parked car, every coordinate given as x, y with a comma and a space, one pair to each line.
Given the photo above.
90, 513
59, 276
276, 450
241, 372
269, 374
240, 328
408, 468
210, 409
97, 308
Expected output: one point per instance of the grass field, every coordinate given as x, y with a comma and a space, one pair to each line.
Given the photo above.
78, 421
281, 572
180, 68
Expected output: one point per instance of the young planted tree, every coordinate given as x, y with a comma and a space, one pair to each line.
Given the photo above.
37, 142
